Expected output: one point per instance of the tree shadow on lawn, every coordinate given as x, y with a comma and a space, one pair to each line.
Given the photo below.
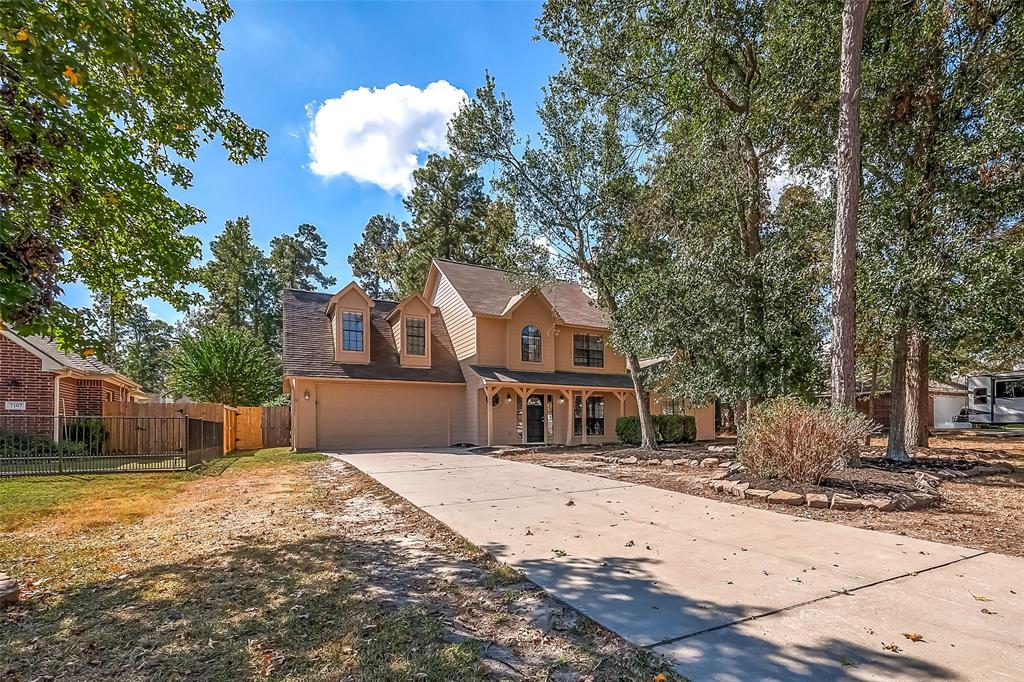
622, 594
304, 609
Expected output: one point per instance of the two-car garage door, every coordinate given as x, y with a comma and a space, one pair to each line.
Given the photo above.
383, 415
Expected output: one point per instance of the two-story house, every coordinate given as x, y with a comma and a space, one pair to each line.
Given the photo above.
471, 359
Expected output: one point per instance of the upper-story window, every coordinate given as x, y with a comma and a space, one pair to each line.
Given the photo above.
587, 350
352, 331
415, 336
531, 344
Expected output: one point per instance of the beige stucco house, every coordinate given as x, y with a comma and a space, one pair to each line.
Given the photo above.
471, 359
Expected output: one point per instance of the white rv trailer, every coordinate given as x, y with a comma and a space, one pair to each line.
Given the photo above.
996, 398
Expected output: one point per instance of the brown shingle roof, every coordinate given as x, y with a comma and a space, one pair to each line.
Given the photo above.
619, 381
309, 345
487, 291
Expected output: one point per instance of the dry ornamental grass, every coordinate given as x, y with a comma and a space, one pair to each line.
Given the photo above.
789, 439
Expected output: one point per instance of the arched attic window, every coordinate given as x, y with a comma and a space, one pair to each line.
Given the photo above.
531, 344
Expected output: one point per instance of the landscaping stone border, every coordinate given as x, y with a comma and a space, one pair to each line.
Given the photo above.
923, 497
9, 590
926, 493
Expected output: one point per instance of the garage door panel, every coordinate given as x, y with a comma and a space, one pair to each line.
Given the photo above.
385, 416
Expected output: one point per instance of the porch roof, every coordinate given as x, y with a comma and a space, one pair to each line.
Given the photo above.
563, 379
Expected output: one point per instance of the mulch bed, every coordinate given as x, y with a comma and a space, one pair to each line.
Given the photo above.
853, 482
921, 464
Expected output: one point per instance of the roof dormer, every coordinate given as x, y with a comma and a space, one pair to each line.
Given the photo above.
349, 310
410, 324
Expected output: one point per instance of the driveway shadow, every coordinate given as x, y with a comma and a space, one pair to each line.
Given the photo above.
621, 594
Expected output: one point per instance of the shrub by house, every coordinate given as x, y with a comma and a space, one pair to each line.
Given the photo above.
669, 428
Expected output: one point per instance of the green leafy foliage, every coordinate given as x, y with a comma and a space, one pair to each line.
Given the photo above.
577, 196
90, 433
670, 428
452, 217
702, 96
244, 284
224, 364
298, 259
101, 107
675, 428
377, 260
132, 342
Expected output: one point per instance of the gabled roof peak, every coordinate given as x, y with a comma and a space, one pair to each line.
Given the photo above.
351, 286
414, 296
490, 292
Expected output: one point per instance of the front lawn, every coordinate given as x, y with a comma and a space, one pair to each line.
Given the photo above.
273, 566
98, 499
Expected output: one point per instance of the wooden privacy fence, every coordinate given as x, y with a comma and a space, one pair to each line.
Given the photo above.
244, 428
277, 426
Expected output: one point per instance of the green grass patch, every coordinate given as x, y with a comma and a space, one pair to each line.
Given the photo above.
271, 457
100, 499
503, 575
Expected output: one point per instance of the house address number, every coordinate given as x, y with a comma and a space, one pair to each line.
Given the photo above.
14, 405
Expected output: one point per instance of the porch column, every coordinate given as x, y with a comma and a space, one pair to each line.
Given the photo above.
583, 414
568, 416
488, 394
523, 394
622, 395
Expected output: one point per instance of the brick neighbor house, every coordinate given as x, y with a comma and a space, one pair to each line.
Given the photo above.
37, 379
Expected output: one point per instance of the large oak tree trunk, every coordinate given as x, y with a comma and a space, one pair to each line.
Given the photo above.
844, 252
897, 446
648, 439
911, 423
918, 400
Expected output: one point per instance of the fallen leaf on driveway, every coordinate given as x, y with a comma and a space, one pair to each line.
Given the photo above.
846, 663
891, 647
989, 613
559, 552
913, 636
981, 597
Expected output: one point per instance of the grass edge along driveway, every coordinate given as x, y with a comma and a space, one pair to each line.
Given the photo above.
277, 567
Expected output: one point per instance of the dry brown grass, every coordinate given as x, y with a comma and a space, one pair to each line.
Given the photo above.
290, 571
796, 441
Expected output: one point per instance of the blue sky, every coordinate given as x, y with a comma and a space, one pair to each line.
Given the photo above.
283, 61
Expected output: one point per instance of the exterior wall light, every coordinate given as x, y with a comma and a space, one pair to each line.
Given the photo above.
305, 394
561, 399
510, 397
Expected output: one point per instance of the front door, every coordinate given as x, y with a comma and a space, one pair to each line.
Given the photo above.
535, 419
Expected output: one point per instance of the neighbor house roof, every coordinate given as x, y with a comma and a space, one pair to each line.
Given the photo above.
587, 379
488, 291
55, 359
951, 387
309, 344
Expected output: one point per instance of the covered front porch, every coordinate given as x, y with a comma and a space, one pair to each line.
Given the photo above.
536, 410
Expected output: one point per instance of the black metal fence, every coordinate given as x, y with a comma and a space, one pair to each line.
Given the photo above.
40, 445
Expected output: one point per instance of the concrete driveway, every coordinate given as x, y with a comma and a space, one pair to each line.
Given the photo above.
728, 592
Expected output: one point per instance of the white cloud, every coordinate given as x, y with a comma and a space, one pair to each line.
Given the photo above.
374, 135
